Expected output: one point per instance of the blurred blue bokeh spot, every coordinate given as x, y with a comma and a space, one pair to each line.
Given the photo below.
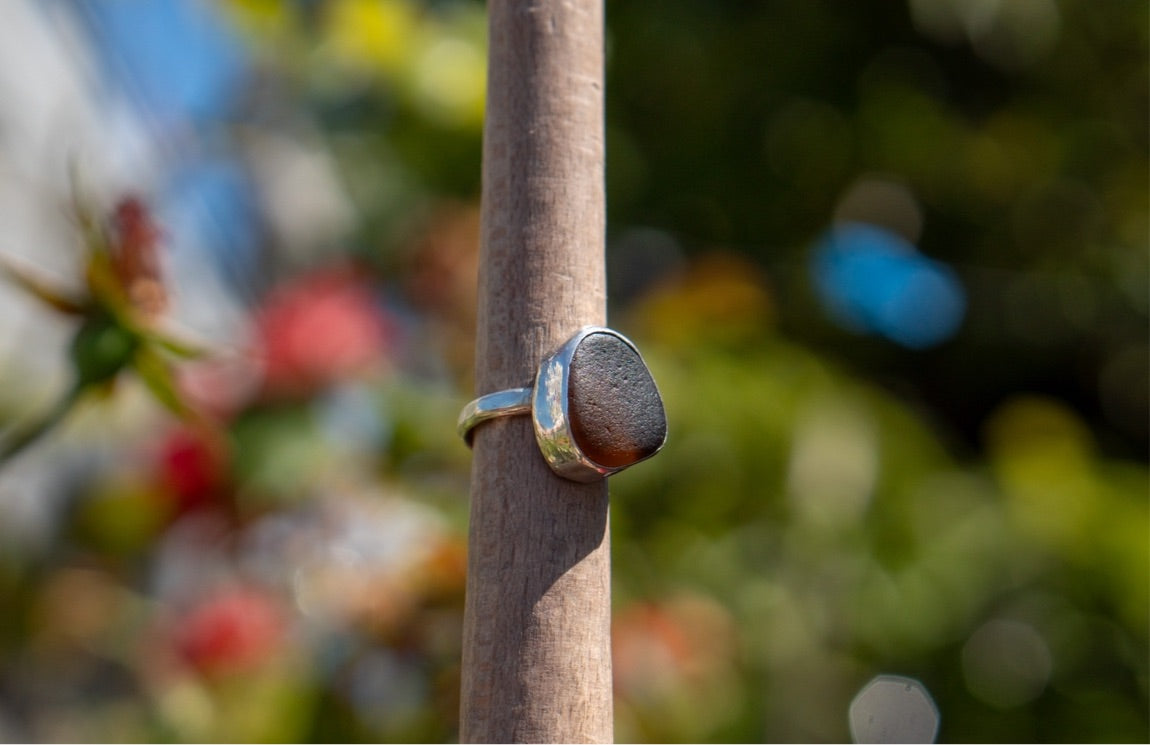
873, 281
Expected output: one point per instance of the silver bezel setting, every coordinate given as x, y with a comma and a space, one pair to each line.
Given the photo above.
548, 401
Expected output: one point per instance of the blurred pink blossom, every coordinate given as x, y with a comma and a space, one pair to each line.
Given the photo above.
235, 630
319, 329
220, 386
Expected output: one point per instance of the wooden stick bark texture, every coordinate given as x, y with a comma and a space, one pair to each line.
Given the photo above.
537, 656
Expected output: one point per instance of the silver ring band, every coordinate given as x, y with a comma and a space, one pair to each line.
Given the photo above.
501, 403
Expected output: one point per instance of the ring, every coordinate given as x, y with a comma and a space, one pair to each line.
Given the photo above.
594, 406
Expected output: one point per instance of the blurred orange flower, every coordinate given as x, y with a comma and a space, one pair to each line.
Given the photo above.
658, 646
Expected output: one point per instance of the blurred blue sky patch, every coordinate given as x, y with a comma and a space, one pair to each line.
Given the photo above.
176, 58
212, 203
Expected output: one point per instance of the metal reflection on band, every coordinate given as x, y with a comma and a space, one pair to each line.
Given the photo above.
501, 403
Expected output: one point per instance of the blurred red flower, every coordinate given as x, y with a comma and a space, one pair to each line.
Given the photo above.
233, 631
192, 468
317, 330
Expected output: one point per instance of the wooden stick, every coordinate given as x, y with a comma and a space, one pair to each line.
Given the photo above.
536, 638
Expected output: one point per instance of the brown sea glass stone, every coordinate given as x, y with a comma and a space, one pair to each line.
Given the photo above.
616, 413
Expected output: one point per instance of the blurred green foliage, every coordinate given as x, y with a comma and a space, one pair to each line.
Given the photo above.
829, 506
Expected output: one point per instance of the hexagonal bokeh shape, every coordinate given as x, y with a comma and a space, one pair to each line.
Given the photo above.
890, 709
